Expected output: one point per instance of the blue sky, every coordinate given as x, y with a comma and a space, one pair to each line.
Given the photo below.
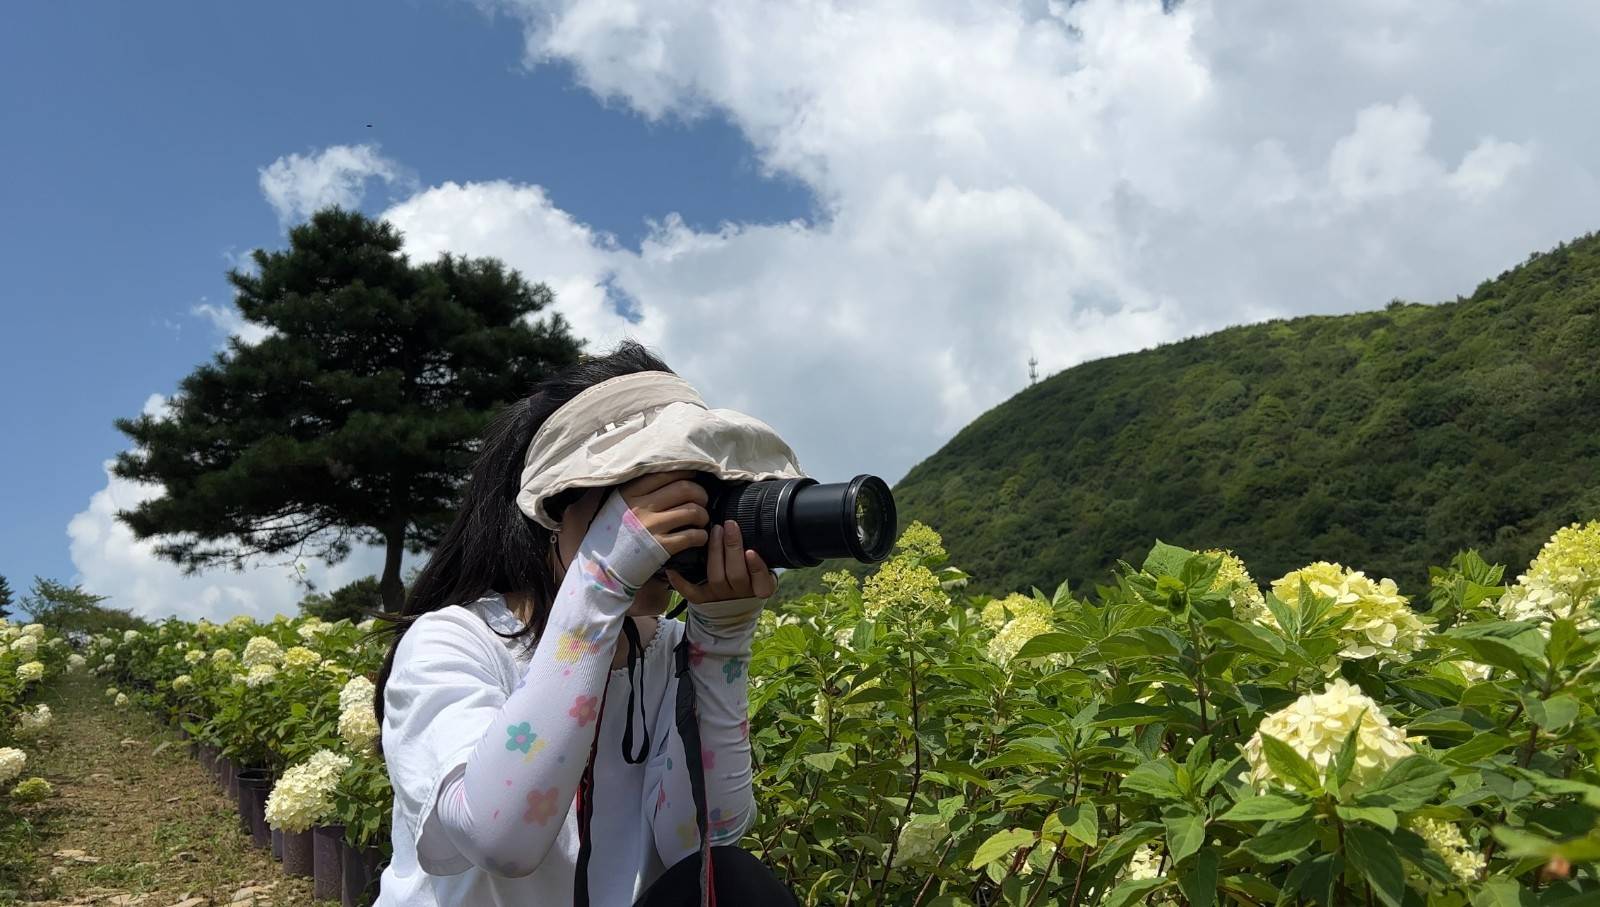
135, 133
854, 219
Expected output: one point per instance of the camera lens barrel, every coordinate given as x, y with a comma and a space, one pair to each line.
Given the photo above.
800, 522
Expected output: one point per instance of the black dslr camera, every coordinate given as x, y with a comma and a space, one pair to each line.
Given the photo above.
798, 522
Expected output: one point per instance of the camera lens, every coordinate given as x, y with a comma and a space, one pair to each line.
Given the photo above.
799, 522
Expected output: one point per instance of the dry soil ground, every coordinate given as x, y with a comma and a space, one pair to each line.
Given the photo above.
135, 820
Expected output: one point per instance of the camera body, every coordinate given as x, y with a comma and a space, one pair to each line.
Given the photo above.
798, 522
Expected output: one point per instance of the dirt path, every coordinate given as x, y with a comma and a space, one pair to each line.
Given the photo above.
136, 820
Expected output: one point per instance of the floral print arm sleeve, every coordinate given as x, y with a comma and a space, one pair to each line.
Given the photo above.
719, 636
506, 806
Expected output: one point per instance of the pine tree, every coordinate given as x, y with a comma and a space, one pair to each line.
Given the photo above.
74, 612
5, 598
350, 601
356, 418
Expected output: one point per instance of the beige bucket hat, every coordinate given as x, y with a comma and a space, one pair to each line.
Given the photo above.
645, 422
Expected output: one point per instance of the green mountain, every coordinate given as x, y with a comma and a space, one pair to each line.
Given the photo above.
1386, 441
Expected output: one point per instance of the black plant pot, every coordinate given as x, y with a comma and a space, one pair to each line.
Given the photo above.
297, 853
277, 842
254, 785
363, 868
327, 871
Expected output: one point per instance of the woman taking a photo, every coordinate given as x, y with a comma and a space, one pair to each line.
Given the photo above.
531, 703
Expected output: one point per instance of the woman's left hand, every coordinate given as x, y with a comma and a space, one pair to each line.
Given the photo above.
732, 571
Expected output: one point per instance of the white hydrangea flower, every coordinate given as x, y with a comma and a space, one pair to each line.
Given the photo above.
367, 624
56, 642
300, 657
1563, 581
920, 839
1315, 726
31, 724
902, 585
994, 614
12, 761
182, 682
1014, 635
1446, 840
25, 646
358, 723
1380, 623
33, 670
304, 795
358, 726
32, 791
194, 656
357, 690
260, 674
240, 621
1030, 617
111, 692
110, 660
222, 656
1474, 672
261, 650
34, 630
312, 629
122, 699
129, 635
1249, 604
76, 661
1145, 863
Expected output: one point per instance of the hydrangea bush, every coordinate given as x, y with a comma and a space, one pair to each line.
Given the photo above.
29, 656
291, 696
1182, 735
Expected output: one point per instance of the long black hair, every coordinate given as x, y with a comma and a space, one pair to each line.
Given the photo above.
492, 546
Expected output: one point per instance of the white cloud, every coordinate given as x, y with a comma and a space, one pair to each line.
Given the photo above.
1067, 180
157, 406
1487, 167
298, 184
229, 323
520, 226
1386, 155
1070, 180
110, 561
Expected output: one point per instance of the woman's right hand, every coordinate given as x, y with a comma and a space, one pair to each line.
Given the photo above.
672, 507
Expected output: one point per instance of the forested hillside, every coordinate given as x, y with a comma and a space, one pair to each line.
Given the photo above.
1384, 440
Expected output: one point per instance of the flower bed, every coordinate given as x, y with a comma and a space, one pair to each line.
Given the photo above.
30, 655
281, 713
1183, 735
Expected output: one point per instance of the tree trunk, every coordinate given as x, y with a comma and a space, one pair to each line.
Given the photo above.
394, 593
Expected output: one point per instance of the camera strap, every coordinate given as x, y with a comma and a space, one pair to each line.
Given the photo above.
688, 722
635, 658
580, 881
